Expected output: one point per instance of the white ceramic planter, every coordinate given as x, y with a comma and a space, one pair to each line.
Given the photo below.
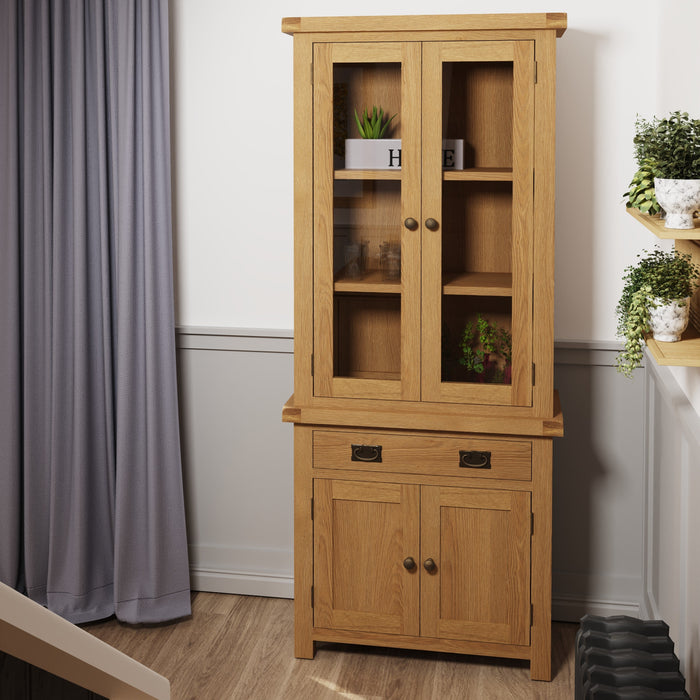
668, 321
679, 199
385, 154
373, 154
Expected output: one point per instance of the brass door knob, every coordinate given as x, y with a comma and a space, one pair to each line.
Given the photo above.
430, 566
411, 224
431, 224
409, 564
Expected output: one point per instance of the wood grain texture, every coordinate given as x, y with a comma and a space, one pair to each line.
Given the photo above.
523, 327
303, 541
424, 454
541, 664
544, 20
417, 416
479, 540
658, 227
362, 534
239, 647
303, 219
544, 189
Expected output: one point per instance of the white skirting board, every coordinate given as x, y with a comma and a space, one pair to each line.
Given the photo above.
238, 464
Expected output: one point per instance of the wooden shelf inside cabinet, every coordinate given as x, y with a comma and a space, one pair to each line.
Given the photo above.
371, 282
489, 284
479, 175
684, 353
658, 228
394, 174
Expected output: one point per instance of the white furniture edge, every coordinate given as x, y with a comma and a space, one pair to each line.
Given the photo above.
34, 634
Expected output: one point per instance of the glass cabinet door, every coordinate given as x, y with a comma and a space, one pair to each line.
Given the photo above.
367, 221
477, 208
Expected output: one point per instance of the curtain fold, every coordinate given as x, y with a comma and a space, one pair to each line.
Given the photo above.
95, 522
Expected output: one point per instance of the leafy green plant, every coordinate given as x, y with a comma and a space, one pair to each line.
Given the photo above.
658, 278
641, 194
374, 125
487, 351
671, 144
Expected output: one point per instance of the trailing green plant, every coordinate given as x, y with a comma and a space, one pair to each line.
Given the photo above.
656, 279
374, 125
671, 144
487, 351
641, 194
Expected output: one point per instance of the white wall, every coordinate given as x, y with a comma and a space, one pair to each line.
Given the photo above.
232, 112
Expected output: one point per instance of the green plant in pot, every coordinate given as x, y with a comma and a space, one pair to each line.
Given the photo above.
655, 298
376, 149
486, 352
374, 124
669, 150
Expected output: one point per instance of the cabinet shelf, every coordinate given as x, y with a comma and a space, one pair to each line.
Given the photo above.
371, 282
658, 228
466, 175
479, 175
367, 174
491, 284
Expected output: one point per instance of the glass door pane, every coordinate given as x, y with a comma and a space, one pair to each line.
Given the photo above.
366, 303
477, 169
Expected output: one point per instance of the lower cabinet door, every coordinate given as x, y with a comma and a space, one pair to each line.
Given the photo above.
366, 537
475, 567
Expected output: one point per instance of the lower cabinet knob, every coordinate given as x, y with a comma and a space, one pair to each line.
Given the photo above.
409, 564
430, 566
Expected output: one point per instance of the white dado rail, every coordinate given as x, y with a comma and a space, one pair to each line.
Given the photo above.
36, 635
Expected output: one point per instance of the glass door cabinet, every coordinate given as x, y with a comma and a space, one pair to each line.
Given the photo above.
423, 238
424, 408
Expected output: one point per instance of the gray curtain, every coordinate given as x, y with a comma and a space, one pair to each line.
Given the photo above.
91, 504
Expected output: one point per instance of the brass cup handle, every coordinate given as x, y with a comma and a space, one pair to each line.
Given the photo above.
430, 566
411, 224
431, 224
409, 563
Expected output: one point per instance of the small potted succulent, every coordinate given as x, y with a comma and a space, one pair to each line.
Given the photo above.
372, 151
486, 352
655, 299
375, 152
667, 150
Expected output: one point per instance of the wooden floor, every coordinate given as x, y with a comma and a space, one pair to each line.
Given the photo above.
242, 647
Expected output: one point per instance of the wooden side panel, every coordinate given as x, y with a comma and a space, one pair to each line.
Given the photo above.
303, 543
362, 534
543, 302
303, 220
541, 659
480, 542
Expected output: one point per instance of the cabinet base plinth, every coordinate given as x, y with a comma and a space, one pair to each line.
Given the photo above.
540, 663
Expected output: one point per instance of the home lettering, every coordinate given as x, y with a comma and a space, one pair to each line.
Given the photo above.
448, 158
395, 158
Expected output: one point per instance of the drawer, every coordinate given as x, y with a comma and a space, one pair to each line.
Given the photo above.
483, 458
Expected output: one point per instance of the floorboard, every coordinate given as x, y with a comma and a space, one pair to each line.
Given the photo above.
235, 647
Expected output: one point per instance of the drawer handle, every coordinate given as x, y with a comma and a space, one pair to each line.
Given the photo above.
366, 453
474, 459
